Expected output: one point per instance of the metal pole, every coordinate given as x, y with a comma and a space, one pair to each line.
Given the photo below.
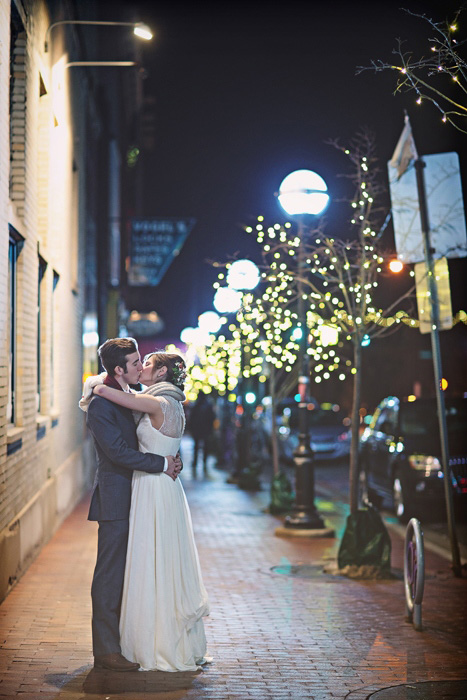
304, 514
81, 21
435, 348
101, 64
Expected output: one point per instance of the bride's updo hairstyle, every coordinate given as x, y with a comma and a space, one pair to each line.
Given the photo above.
176, 368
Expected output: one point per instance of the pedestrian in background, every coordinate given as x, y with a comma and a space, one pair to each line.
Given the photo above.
201, 426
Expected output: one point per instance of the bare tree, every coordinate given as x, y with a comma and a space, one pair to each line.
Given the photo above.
439, 77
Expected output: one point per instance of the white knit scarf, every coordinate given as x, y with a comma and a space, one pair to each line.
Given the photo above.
160, 389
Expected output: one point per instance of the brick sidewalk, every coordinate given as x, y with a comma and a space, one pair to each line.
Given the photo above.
270, 635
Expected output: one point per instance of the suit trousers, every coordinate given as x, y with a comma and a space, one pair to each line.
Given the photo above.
107, 585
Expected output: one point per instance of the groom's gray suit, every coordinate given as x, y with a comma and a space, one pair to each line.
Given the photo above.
114, 433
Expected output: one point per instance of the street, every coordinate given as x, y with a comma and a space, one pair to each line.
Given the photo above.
279, 626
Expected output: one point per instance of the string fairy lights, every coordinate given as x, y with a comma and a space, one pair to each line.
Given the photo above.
341, 282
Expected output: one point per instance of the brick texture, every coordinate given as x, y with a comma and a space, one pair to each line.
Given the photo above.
41, 481
270, 636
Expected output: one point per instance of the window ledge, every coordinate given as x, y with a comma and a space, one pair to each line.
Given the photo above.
13, 434
42, 421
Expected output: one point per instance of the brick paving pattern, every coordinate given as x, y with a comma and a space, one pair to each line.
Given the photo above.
270, 635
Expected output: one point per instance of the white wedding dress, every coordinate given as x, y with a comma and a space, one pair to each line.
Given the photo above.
164, 598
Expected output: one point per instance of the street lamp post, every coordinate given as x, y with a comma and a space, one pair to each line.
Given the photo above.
227, 301
243, 275
303, 193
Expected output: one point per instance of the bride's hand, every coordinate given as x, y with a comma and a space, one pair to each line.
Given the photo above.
173, 468
89, 388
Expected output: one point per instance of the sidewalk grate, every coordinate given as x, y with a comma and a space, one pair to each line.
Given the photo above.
430, 690
300, 571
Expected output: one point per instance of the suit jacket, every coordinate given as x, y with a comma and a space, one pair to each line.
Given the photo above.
116, 443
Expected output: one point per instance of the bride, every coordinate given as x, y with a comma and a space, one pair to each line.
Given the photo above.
164, 598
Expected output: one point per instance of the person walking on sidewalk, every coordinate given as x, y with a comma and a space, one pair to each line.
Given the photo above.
164, 598
114, 433
201, 425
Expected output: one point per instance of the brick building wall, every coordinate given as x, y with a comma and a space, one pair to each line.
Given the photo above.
45, 456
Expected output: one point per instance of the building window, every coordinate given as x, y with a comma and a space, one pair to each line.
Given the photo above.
42, 269
15, 245
54, 341
17, 110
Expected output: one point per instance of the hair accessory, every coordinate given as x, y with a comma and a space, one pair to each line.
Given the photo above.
179, 373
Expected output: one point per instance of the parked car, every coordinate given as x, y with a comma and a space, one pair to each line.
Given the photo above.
329, 428
330, 434
400, 454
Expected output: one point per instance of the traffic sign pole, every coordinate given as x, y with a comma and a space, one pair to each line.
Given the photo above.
456, 563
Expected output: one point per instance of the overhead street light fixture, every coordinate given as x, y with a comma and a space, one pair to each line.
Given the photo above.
139, 28
142, 30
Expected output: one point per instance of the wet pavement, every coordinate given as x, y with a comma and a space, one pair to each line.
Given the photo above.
279, 626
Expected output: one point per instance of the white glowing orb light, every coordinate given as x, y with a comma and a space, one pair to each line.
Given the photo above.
243, 274
187, 334
209, 321
303, 192
297, 334
195, 336
329, 335
142, 30
227, 300
396, 266
90, 339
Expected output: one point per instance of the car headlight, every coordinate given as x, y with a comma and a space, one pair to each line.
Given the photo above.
426, 463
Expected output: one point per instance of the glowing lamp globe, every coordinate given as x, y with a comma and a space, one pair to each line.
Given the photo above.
227, 300
209, 321
243, 274
396, 266
142, 31
303, 192
186, 336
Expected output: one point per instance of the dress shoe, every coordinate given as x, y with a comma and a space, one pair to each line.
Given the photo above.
115, 662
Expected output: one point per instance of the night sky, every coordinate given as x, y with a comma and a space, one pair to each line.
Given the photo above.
245, 93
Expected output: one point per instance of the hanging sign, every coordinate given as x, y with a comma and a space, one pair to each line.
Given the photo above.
154, 243
445, 209
424, 302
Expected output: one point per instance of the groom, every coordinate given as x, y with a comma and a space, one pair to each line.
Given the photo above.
116, 443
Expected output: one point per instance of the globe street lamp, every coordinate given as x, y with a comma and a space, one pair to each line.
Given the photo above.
303, 193
243, 275
227, 300
210, 321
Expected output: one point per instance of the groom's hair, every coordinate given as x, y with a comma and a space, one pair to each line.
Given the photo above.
114, 351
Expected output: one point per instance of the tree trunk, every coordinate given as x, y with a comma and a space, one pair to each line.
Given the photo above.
355, 418
274, 440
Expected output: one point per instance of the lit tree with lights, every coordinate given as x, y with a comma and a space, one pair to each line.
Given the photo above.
214, 367
341, 280
440, 77
271, 324
264, 330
